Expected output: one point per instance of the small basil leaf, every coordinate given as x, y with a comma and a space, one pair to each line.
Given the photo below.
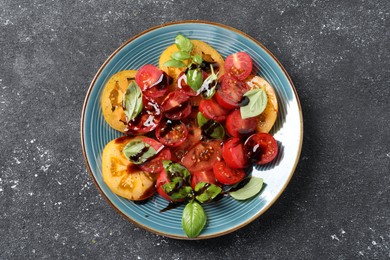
210, 128
175, 170
138, 152
180, 55
174, 63
206, 191
197, 59
132, 101
194, 219
183, 43
257, 103
194, 78
201, 119
249, 190
209, 85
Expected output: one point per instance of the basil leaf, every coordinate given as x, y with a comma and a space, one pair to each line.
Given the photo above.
206, 90
180, 55
210, 128
183, 43
179, 179
201, 119
206, 191
197, 59
257, 103
194, 219
175, 170
132, 101
194, 78
249, 190
138, 152
174, 63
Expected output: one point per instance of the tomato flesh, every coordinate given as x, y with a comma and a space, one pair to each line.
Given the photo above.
183, 86
233, 153
202, 156
212, 110
162, 179
226, 175
174, 100
261, 148
194, 136
147, 120
154, 165
202, 176
231, 92
147, 76
238, 127
171, 133
159, 88
239, 64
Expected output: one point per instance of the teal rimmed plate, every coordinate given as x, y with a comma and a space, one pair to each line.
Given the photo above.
225, 215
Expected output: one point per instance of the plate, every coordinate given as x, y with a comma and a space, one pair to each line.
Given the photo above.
225, 215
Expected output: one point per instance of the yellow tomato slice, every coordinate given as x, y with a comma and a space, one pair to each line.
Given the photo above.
200, 48
122, 176
266, 119
111, 100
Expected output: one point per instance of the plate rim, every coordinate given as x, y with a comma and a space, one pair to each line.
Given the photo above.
92, 84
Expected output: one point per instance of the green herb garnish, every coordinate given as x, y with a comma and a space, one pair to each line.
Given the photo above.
257, 103
138, 152
132, 101
249, 190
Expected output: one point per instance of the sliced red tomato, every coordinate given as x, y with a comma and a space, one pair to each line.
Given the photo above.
147, 120
231, 92
160, 87
226, 175
261, 148
202, 156
171, 133
154, 165
181, 112
147, 76
162, 179
183, 86
233, 153
174, 100
239, 64
238, 127
202, 176
212, 110
194, 136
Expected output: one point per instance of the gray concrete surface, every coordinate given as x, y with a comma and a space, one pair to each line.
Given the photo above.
337, 204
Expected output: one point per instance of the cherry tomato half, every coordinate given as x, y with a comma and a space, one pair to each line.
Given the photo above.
239, 65
174, 100
231, 92
147, 120
226, 175
203, 176
160, 87
162, 179
154, 165
147, 76
194, 136
212, 110
171, 133
233, 153
261, 148
202, 156
183, 86
237, 127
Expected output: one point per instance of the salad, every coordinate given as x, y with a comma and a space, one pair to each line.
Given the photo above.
193, 127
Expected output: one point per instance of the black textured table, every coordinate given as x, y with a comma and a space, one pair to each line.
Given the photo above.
337, 203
